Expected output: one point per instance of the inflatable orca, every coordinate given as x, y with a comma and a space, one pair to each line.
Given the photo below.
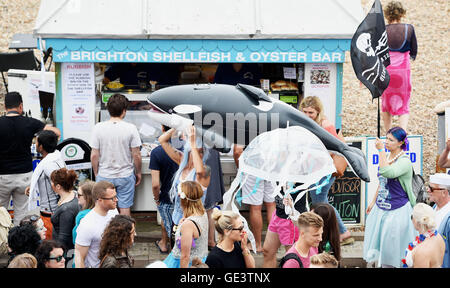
225, 114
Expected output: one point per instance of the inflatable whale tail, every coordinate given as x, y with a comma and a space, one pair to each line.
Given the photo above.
357, 161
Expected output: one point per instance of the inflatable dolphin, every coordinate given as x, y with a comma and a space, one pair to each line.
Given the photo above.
225, 114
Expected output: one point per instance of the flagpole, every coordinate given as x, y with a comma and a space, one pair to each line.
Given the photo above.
378, 118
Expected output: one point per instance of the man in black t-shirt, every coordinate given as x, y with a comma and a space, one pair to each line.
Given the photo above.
16, 134
162, 170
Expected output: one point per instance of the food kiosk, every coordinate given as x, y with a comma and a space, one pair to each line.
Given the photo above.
299, 45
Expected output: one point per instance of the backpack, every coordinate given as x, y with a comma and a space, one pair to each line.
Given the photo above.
290, 256
418, 188
5, 225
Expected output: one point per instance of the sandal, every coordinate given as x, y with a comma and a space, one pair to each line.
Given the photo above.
159, 248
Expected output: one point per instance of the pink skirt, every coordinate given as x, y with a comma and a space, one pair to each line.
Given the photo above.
395, 98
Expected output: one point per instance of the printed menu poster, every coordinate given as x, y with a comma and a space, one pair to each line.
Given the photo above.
320, 81
78, 86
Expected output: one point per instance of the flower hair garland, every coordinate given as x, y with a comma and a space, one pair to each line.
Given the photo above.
183, 195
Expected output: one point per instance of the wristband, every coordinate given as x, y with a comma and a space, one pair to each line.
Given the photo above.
380, 150
246, 252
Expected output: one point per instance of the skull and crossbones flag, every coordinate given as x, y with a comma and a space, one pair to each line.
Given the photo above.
370, 52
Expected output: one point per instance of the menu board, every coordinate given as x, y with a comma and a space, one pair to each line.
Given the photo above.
320, 81
346, 192
345, 196
78, 89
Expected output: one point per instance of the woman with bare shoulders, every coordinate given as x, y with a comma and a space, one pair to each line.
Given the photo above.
427, 251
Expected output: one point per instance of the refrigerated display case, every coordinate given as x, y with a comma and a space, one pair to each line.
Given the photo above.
149, 131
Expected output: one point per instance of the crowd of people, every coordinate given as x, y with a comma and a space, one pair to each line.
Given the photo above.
56, 226
92, 226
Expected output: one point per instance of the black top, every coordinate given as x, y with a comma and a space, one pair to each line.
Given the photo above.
63, 221
249, 74
17, 133
402, 38
216, 188
129, 74
160, 161
300, 206
218, 258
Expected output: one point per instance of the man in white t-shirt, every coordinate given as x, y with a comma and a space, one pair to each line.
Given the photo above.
116, 155
90, 230
439, 194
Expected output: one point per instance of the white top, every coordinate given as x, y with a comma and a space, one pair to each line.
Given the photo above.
89, 233
115, 140
440, 214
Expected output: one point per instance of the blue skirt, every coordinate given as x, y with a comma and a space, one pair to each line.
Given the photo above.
173, 262
387, 235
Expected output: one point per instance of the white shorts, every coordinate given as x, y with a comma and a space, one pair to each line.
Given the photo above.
263, 191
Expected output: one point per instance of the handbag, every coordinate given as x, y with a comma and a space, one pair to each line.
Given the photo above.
418, 187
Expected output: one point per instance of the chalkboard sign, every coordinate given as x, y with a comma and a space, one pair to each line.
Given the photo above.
345, 196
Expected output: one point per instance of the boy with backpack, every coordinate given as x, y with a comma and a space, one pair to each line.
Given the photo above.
310, 235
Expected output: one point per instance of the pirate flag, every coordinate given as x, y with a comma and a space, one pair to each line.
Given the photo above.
370, 52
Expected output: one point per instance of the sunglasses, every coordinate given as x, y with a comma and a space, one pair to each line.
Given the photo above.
434, 189
239, 229
111, 198
31, 220
34, 218
57, 259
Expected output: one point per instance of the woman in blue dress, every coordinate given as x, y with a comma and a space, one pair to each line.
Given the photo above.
388, 226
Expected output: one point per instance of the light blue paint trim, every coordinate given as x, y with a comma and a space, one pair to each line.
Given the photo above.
421, 154
366, 183
339, 78
58, 99
212, 51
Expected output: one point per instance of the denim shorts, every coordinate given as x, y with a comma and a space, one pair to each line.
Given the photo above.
124, 188
165, 211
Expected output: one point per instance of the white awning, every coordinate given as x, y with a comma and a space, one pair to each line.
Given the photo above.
198, 19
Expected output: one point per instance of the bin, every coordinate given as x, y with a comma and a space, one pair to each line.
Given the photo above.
77, 155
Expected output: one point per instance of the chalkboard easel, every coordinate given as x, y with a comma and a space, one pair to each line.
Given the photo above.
345, 196
347, 192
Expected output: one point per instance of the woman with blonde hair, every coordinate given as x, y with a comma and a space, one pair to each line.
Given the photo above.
312, 106
25, 260
191, 237
191, 167
427, 251
231, 250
